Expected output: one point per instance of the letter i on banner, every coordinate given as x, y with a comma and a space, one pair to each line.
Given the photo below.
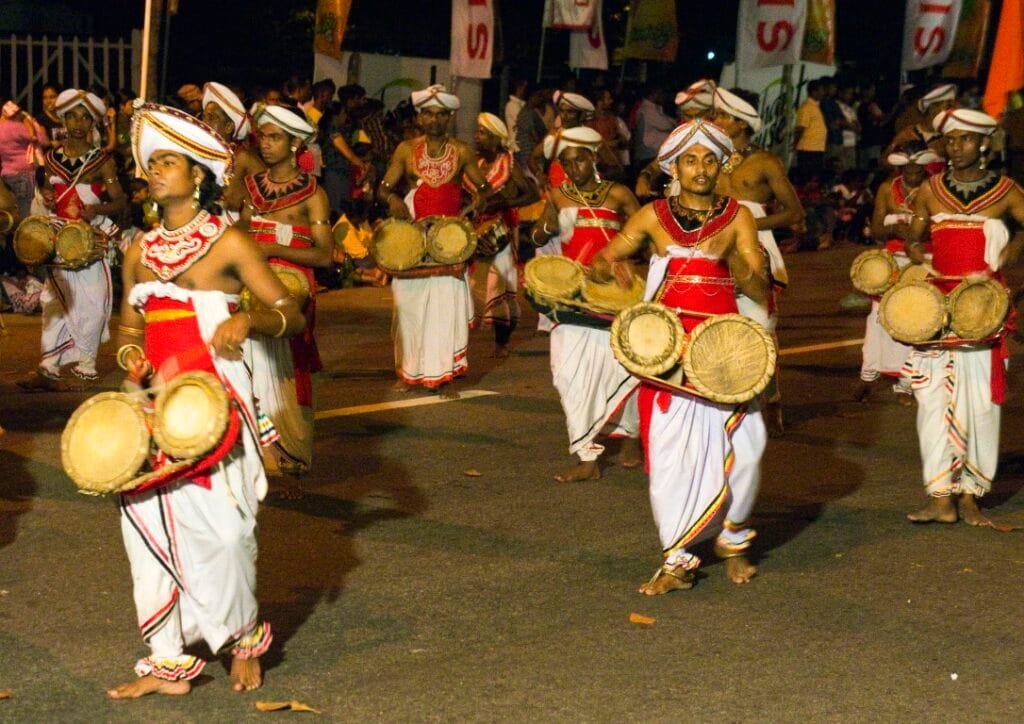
586, 47
472, 38
928, 32
770, 33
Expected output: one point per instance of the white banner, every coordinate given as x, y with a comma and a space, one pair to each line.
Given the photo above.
570, 14
472, 38
770, 33
928, 32
586, 47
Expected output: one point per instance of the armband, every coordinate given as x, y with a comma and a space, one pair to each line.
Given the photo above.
284, 322
130, 331
122, 355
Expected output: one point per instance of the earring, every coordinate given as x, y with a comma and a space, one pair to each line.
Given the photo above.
981, 162
195, 198
294, 149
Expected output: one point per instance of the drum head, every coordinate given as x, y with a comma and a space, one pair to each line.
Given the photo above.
647, 339
914, 273
912, 313
74, 243
294, 280
609, 296
730, 359
105, 443
873, 271
451, 240
397, 245
34, 240
977, 308
190, 415
553, 277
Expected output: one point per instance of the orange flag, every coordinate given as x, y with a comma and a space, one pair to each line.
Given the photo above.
329, 29
1007, 71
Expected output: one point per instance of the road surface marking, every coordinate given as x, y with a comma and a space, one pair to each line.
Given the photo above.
821, 347
398, 404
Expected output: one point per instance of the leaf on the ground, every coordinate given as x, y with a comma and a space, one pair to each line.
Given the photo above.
285, 706
472, 473
5, 694
641, 620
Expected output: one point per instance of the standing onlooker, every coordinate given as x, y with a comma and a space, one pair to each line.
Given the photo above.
614, 132
811, 133
652, 127
48, 119
18, 143
873, 131
516, 102
530, 126
323, 94
849, 128
339, 160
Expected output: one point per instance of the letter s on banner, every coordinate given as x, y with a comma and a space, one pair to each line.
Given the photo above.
472, 30
770, 32
928, 32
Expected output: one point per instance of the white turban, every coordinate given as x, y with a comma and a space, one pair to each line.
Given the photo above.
435, 96
964, 119
492, 124
573, 100
74, 97
161, 128
288, 121
736, 107
231, 104
689, 134
578, 137
697, 95
944, 92
921, 158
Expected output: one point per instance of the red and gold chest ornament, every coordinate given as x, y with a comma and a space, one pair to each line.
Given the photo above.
69, 169
437, 171
269, 195
168, 254
969, 198
690, 227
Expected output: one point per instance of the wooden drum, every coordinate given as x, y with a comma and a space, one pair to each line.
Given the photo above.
913, 312
398, 245
729, 359
873, 271
294, 280
648, 339
190, 415
977, 308
450, 239
76, 244
105, 443
34, 240
553, 278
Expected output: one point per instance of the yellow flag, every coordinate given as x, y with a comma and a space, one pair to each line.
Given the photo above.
651, 32
329, 27
820, 32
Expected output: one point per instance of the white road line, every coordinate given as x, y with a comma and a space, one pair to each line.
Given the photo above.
398, 404
821, 347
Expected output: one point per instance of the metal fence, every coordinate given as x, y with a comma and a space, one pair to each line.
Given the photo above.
27, 63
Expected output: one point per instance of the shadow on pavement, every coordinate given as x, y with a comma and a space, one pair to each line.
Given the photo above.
16, 494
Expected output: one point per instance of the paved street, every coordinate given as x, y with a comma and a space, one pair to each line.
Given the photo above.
404, 589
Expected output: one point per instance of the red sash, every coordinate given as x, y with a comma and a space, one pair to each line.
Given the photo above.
595, 227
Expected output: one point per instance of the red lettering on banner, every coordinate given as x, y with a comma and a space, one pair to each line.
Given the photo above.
925, 48
594, 35
934, 8
774, 43
477, 40
787, 3
478, 3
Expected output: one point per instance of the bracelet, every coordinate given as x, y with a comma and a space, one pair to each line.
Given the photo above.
282, 301
110, 180
130, 331
325, 222
284, 322
629, 237
122, 355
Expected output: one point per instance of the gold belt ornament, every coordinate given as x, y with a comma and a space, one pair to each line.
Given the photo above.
168, 315
593, 223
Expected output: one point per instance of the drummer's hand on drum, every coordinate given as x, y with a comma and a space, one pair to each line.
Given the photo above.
230, 334
623, 273
915, 252
88, 212
398, 209
139, 368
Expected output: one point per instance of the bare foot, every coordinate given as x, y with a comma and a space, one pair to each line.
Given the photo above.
149, 685
938, 510
668, 579
581, 471
970, 513
501, 351
246, 674
401, 387
447, 392
739, 570
629, 453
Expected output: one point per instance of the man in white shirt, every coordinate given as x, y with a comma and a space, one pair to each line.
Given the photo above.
516, 102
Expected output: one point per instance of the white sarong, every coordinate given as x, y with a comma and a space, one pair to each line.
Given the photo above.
431, 329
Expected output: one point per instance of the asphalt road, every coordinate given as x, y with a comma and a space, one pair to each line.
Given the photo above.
403, 589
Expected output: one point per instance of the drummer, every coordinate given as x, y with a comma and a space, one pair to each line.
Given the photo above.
960, 388
191, 543
287, 213
500, 279
77, 302
432, 314
586, 212
890, 224
703, 457
224, 112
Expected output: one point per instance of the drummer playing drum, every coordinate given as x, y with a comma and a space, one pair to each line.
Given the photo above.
960, 389
703, 457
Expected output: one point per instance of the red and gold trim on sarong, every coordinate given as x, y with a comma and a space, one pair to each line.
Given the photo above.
177, 668
460, 366
255, 643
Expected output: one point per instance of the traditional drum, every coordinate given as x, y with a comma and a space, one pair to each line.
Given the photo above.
873, 271
610, 296
34, 240
648, 339
398, 245
190, 415
105, 443
912, 313
553, 278
729, 359
76, 244
450, 239
914, 273
977, 308
294, 280
6, 221
492, 236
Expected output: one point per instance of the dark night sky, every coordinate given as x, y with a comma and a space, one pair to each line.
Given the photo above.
252, 43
